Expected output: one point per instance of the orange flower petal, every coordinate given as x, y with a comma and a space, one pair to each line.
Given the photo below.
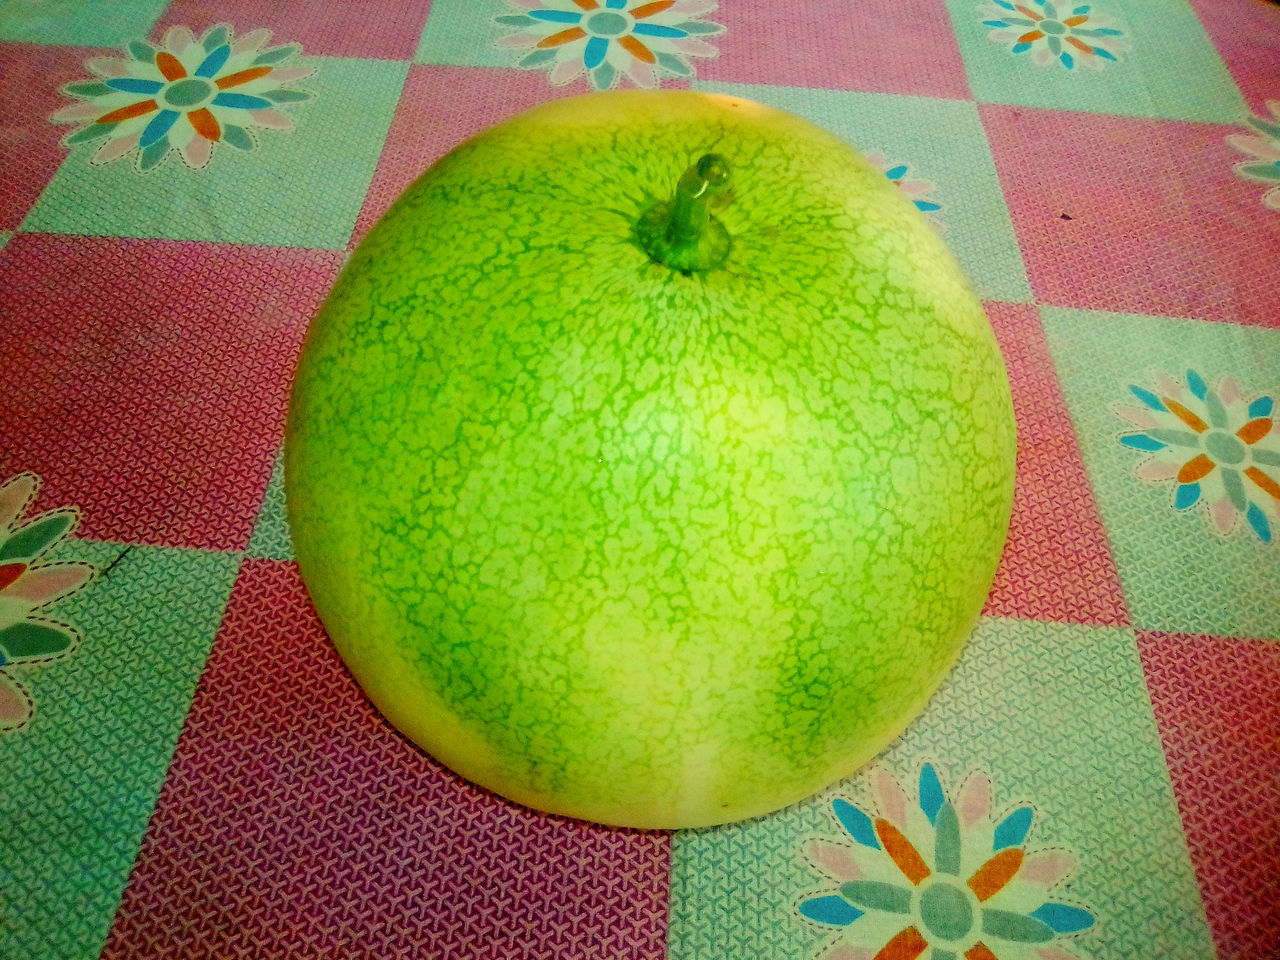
1195, 469
563, 37
649, 9
243, 76
169, 66
1265, 482
637, 49
990, 878
907, 945
902, 852
128, 113
586, 4
980, 951
9, 572
205, 124
1255, 430
1075, 21
1030, 37
1080, 45
1028, 13
1185, 415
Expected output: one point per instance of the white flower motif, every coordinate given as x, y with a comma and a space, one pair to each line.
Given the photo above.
939, 874
608, 39
186, 95
1265, 149
1054, 31
1221, 449
917, 191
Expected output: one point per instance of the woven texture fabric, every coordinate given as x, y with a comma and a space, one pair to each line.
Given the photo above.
188, 771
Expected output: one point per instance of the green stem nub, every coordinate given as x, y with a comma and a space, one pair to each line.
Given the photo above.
681, 232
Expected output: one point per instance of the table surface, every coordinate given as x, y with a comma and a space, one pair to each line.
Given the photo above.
186, 770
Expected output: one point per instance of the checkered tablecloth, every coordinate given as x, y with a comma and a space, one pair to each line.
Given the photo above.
186, 769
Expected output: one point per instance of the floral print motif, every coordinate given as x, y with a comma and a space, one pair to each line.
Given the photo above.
1055, 31
27, 588
642, 40
1265, 150
1219, 447
917, 191
943, 874
186, 95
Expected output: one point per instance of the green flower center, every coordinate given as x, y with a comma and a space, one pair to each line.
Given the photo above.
188, 93
1224, 448
946, 912
1052, 27
606, 23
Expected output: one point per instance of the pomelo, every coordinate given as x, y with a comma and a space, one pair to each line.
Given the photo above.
649, 504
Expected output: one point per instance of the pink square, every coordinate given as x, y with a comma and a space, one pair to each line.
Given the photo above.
1219, 716
440, 108
881, 46
147, 381
373, 29
1136, 216
1247, 35
29, 150
1057, 564
295, 822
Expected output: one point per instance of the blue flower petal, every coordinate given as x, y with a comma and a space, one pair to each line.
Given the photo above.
1187, 496
1105, 55
153, 154
556, 16
1197, 385
1015, 927
1258, 520
856, 822
1063, 918
931, 796
1067, 60
994, 23
603, 76
142, 51
539, 58
241, 101
158, 127
657, 30
1261, 408
1108, 32
1020, 47
1149, 398
897, 173
597, 47
1079, 10
927, 206
215, 61
134, 85
834, 911
1004, 5
1013, 829
615, 4
1140, 441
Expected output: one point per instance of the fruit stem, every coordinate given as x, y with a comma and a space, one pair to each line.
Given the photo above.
681, 232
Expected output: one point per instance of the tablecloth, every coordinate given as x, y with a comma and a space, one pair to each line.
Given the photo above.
186, 769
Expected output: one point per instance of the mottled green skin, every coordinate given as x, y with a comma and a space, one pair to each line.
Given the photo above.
634, 546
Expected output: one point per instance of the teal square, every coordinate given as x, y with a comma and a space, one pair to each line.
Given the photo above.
1054, 715
79, 23
81, 781
271, 539
302, 188
1172, 70
1177, 572
462, 33
940, 141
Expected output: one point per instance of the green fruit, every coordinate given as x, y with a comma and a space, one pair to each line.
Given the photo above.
649, 509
